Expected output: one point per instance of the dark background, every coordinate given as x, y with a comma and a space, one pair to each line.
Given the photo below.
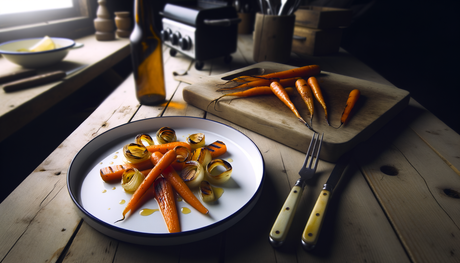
413, 44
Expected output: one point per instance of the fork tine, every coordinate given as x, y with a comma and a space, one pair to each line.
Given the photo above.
318, 151
309, 151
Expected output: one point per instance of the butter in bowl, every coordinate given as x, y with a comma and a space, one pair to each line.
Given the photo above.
36, 52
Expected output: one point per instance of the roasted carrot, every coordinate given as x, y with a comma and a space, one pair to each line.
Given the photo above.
115, 172
217, 148
305, 71
165, 161
281, 93
179, 185
263, 82
313, 82
351, 101
163, 148
164, 195
305, 93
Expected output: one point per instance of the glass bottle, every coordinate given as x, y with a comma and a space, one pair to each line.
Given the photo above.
147, 57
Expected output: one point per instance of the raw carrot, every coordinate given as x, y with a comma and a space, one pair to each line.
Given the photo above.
313, 82
179, 185
164, 195
115, 172
351, 101
263, 82
217, 148
305, 71
251, 92
281, 93
305, 92
165, 161
163, 148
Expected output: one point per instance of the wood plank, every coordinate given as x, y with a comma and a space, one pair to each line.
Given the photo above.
425, 218
18, 229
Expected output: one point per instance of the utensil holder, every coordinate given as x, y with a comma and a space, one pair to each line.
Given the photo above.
273, 37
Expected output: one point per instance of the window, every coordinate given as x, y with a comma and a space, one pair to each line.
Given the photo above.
37, 18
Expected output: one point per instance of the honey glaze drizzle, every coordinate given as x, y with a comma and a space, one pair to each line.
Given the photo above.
185, 210
147, 211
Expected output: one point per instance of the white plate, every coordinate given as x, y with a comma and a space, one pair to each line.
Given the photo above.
99, 202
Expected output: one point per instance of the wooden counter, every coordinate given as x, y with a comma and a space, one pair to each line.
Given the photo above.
398, 201
20, 107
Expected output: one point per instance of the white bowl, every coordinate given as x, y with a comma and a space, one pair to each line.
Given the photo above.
35, 59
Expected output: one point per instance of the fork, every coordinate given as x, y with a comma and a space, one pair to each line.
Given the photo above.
283, 222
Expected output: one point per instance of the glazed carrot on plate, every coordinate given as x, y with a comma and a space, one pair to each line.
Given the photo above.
163, 148
307, 96
217, 148
179, 185
164, 162
351, 101
281, 93
115, 172
164, 195
313, 82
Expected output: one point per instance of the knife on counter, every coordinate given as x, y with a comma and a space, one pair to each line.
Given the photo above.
315, 221
33, 80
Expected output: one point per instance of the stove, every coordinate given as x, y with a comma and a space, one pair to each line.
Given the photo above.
201, 30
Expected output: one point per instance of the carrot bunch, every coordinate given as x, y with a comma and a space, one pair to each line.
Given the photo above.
305, 82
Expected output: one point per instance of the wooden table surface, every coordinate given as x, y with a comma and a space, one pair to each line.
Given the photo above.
398, 201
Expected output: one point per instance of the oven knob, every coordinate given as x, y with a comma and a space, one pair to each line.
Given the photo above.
185, 43
165, 34
175, 38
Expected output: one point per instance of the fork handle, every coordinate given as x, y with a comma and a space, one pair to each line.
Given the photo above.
315, 221
282, 223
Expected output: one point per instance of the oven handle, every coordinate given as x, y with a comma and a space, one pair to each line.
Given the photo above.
222, 22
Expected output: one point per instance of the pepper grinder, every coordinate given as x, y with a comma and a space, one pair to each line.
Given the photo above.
105, 28
123, 23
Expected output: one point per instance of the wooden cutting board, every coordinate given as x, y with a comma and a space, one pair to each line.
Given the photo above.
268, 116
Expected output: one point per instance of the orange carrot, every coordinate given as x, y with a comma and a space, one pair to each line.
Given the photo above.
313, 82
263, 82
217, 148
306, 94
352, 99
165, 161
179, 185
281, 93
251, 92
115, 172
164, 195
163, 148
305, 71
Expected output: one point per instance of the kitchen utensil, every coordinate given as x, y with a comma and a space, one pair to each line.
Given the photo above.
23, 73
285, 7
313, 227
10, 50
37, 80
282, 223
